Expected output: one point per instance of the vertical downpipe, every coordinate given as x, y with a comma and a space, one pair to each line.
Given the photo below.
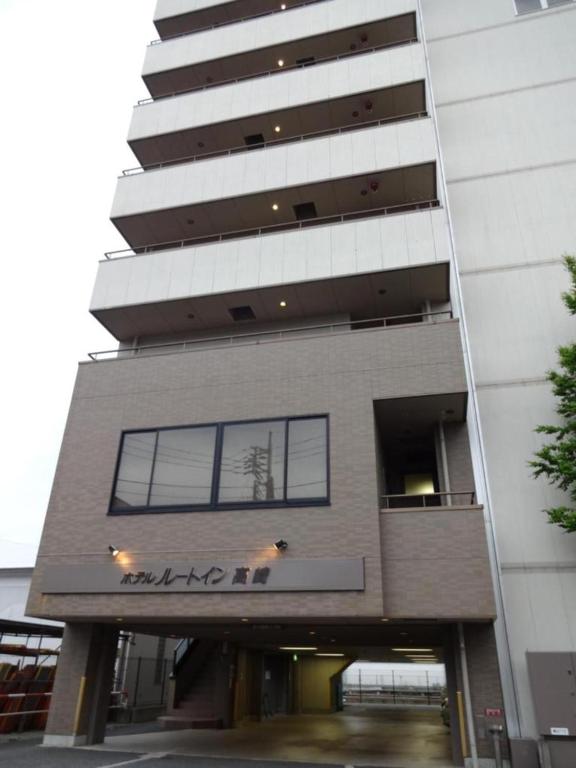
444, 458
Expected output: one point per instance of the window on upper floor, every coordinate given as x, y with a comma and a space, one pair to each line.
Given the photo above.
279, 462
526, 6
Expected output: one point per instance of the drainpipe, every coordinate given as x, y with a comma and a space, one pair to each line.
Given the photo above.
467, 697
444, 460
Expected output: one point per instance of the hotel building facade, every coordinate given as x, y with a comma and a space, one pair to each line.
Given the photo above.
335, 318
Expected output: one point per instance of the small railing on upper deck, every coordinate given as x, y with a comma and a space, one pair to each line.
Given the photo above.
275, 142
436, 499
271, 229
263, 337
227, 22
278, 70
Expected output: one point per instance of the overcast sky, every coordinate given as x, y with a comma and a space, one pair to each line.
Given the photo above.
70, 73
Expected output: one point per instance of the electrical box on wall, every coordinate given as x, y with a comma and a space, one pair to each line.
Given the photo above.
553, 683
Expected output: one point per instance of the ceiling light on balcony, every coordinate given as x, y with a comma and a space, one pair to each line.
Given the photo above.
280, 62
275, 206
283, 304
277, 129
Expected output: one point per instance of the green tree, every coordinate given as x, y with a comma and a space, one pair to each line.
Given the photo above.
556, 460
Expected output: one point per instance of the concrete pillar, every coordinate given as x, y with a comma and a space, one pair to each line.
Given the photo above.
486, 691
81, 695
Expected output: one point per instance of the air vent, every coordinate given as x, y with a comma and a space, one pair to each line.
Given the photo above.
240, 314
306, 61
254, 140
305, 211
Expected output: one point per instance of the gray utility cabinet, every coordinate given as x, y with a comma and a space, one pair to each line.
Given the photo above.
553, 683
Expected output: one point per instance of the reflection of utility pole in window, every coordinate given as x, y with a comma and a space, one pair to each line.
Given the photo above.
259, 464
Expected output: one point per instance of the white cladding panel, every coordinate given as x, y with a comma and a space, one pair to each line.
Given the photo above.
534, 49
513, 340
167, 8
367, 151
511, 132
276, 29
333, 80
384, 243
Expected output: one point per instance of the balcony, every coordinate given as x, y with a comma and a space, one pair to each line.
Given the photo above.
304, 123
435, 564
389, 165
174, 18
154, 293
274, 44
434, 549
170, 128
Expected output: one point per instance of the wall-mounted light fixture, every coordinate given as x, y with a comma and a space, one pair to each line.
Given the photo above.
281, 545
280, 62
113, 550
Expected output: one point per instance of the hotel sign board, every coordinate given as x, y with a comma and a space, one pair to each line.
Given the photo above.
280, 575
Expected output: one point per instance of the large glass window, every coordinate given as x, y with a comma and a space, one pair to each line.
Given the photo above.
241, 464
252, 463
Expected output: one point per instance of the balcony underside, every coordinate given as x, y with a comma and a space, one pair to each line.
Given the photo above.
408, 187
182, 64
371, 295
301, 87
406, 101
214, 15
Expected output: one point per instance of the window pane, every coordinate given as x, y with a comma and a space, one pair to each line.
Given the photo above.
307, 460
523, 6
133, 479
183, 467
253, 462
552, 3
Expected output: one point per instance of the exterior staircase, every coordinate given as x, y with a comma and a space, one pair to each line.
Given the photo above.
195, 702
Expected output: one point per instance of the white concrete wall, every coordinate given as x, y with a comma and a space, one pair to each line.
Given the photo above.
276, 29
333, 80
507, 121
357, 247
332, 157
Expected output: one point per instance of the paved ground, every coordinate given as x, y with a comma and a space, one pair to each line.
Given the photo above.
361, 736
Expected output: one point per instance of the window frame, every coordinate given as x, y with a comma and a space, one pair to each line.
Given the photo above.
544, 6
214, 505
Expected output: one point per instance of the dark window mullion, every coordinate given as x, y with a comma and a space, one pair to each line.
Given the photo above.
286, 448
217, 464
152, 470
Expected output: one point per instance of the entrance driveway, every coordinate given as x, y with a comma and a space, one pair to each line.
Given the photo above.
362, 735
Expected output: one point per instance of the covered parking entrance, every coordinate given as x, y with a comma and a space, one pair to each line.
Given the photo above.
272, 690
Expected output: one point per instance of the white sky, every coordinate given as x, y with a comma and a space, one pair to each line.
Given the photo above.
69, 75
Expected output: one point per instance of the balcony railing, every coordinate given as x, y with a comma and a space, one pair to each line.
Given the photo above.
275, 142
436, 499
227, 22
273, 228
279, 70
264, 337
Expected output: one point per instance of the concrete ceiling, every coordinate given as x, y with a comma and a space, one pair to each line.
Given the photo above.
367, 296
323, 116
224, 13
398, 186
351, 40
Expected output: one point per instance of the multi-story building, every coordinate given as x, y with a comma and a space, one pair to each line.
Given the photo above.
335, 317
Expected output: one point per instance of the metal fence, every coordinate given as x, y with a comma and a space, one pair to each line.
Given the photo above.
393, 687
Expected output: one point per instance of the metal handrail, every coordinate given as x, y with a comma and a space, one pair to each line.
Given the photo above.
257, 337
227, 22
271, 228
279, 70
275, 142
424, 497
